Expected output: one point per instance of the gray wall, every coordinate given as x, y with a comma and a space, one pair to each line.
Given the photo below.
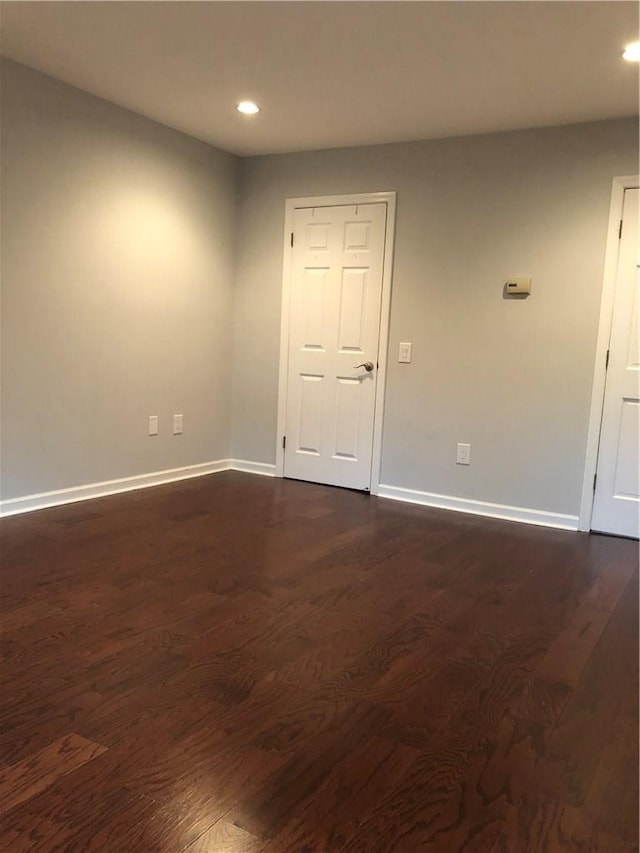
117, 289
511, 377
120, 244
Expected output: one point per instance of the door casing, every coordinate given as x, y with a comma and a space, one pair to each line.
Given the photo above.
293, 204
604, 330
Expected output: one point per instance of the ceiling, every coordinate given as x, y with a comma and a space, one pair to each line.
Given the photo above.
333, 74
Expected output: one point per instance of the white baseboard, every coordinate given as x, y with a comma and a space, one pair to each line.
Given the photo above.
13, 506
510, 513
263, 468
29, 503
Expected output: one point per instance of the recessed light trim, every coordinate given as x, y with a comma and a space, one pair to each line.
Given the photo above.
248, 108
632, 52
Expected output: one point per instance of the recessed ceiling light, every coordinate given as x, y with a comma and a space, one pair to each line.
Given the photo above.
632, 52
248, 108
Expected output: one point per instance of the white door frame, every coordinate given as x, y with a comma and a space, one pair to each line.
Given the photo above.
331, 201
604, 331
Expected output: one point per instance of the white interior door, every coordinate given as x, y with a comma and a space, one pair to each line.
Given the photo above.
334, 329
616, 507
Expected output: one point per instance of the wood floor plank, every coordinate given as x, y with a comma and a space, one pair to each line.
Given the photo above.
350, 795
54, 721
25, 780
615, 793
275, 664
73, 819
595, 710
430, 806
547, 825
568, 655
264, 813
225, 837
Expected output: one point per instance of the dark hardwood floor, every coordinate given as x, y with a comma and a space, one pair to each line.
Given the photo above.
245, 665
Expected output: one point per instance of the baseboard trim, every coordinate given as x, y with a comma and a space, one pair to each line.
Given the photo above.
44, 500
262, 468
491, 510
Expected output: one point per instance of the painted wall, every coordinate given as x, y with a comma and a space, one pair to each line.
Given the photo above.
513, 378
117, 289
121, 243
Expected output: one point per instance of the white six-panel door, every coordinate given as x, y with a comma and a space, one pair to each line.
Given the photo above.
616, 507
334, 328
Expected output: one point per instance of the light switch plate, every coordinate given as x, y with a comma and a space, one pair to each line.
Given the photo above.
404, 353
177, 424
153, 424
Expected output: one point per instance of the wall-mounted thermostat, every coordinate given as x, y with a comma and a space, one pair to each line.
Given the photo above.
517, 285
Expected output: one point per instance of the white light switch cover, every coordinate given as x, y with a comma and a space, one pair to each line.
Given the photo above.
404, 353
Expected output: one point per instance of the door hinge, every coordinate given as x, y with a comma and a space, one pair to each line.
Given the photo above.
595, 477
620, 230
284, 442
292, 239
606, 363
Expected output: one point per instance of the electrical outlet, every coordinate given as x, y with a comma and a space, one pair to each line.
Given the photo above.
177, 424
463, 454
153, 424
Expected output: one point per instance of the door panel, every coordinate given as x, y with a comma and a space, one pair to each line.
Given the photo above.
616, 507
334, 326
315, 287
346, 418
353, 301
356, 236
626, 479
310, 414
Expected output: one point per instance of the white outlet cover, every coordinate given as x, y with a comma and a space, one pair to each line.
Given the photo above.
463, 454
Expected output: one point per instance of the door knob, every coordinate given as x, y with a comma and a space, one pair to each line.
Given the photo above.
368, 366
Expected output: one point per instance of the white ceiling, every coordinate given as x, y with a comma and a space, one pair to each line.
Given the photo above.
332, 74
